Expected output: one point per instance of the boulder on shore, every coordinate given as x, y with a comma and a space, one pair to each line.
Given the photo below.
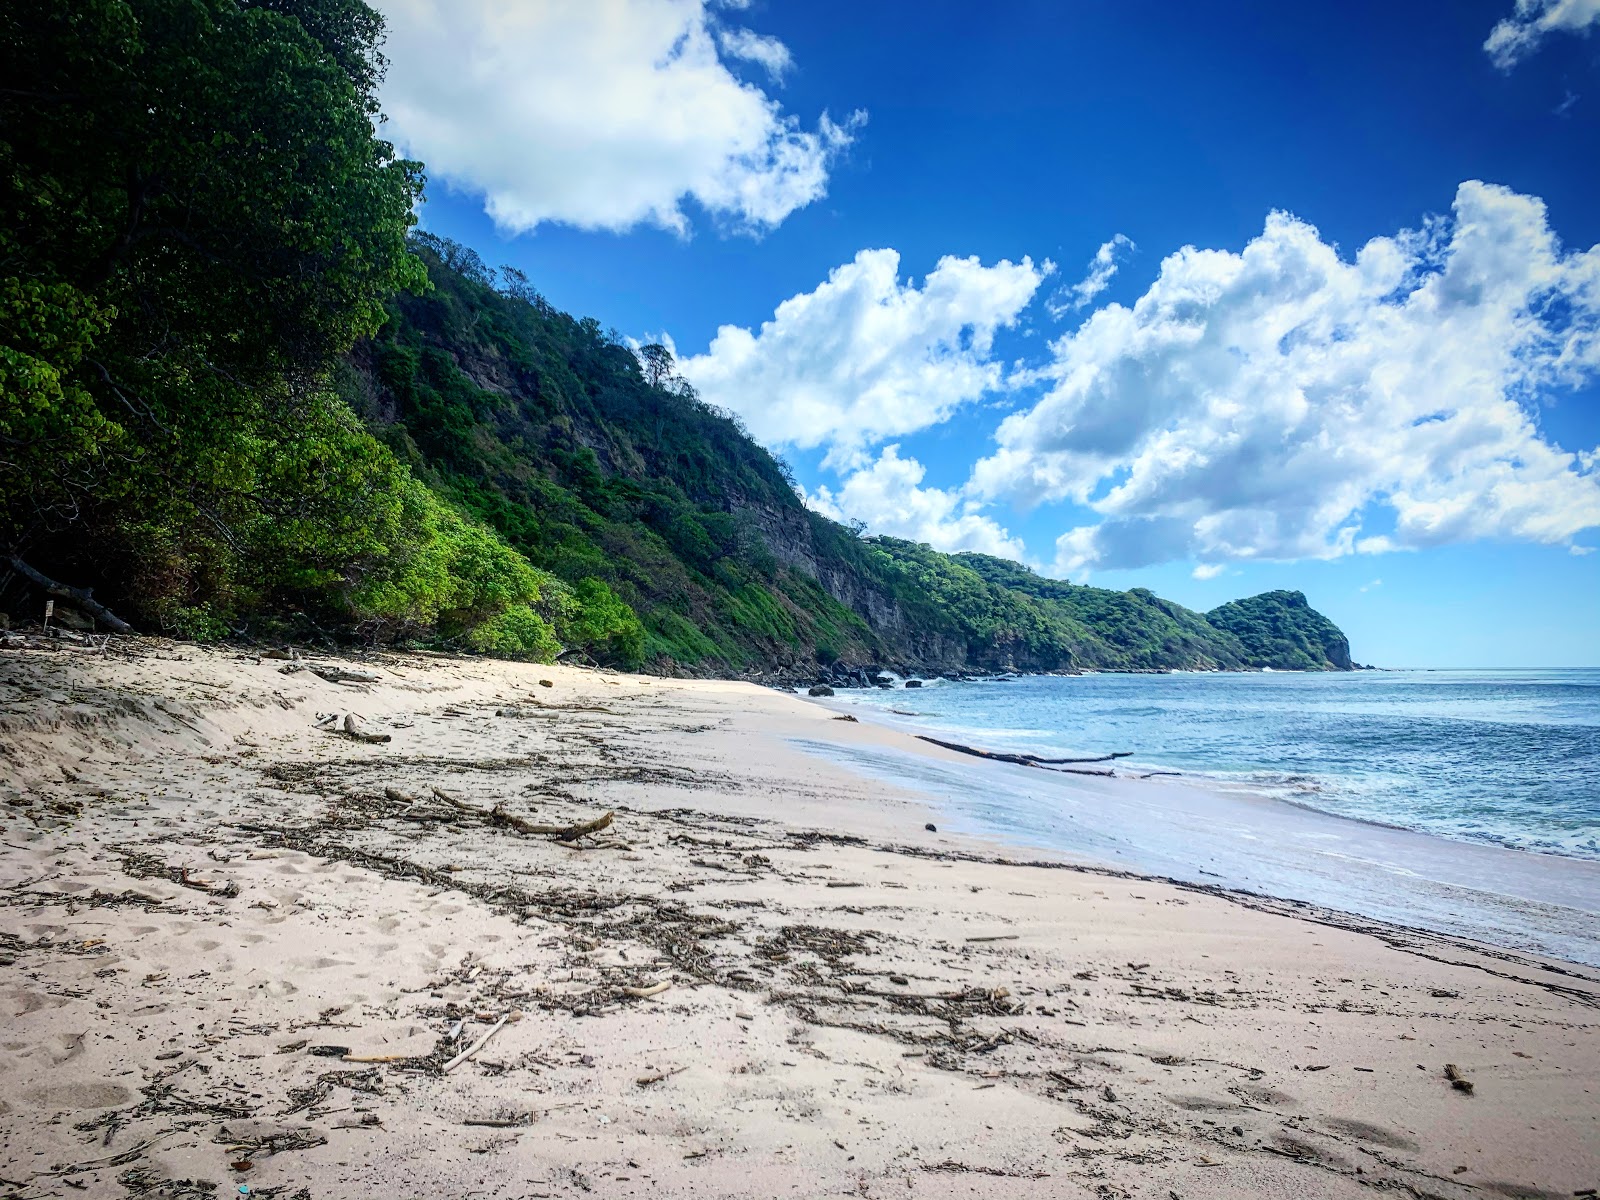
911, 683
819, 689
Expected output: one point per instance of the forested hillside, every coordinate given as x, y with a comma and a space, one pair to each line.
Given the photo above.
243, 399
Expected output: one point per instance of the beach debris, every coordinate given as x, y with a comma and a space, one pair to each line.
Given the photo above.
477, 1045
212, 887
658, 1076
644, 993
931, 827
1457, 1080
546, 683
265, 1145
353, 729
331, 674
1030, 760
1153, 774
329, 1051
847, 717
995, 937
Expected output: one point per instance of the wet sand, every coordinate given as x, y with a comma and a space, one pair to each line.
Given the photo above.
242, 949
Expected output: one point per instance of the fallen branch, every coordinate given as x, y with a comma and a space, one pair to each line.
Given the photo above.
1027, 760
1153, 774
82, 597
352, 729
477, 1045
644, 993
562, 833
658, 1076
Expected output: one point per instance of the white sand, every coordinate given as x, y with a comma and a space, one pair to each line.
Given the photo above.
838, 1022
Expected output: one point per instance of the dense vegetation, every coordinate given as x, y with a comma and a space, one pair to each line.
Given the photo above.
242, 397
1279, 629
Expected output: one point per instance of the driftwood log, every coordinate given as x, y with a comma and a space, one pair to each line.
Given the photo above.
1029, 760
352, 729
499, 816
82, 597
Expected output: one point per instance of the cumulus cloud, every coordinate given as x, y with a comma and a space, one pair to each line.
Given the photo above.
887, 497
1278, 402
866, 357
1519, 35
1207, 570
603, 115
1101, 268
768, 53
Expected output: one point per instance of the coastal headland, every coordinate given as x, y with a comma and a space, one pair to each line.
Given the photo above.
274, 924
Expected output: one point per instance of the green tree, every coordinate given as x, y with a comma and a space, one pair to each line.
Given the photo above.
196, 222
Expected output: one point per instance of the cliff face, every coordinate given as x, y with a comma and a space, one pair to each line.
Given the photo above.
546, 429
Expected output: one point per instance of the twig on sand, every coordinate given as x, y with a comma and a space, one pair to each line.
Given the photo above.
644, 993
658, 1076
477, 1045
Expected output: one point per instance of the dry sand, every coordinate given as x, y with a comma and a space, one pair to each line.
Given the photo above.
236, 947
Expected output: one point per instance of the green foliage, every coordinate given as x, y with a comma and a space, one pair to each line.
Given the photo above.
196, 222
1280, 630
518, 632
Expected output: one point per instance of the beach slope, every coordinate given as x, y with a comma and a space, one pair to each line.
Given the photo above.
249, 942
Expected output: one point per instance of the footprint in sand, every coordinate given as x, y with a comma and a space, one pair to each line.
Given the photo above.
1201, 1103
78, 1095
1364, 1132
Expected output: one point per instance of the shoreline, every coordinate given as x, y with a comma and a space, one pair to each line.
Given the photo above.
840, 977
1179, 829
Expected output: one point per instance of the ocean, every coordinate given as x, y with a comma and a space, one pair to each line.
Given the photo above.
1467, 802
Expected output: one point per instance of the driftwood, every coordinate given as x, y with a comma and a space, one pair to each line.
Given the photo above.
352, 729
644, 993
499, 816
477, 1045
1029, 760
82, 597
331, 674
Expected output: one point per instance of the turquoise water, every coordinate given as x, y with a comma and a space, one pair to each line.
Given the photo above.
1508, 758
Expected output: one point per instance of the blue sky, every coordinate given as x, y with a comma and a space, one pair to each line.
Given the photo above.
1384, 396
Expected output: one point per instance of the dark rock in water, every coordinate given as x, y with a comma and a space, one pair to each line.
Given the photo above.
819, 689
931, 827
911, 683
881, 680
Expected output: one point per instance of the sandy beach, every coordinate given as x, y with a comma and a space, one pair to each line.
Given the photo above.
244, 948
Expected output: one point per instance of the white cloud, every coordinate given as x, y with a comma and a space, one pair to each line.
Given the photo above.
1101, 268
1367, 587
1268, 404
1207, 570
1580, 551
865, 357
1519, 35
604, 115
768, 53
887, 498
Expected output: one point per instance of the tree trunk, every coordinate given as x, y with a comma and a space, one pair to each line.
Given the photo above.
82, 597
